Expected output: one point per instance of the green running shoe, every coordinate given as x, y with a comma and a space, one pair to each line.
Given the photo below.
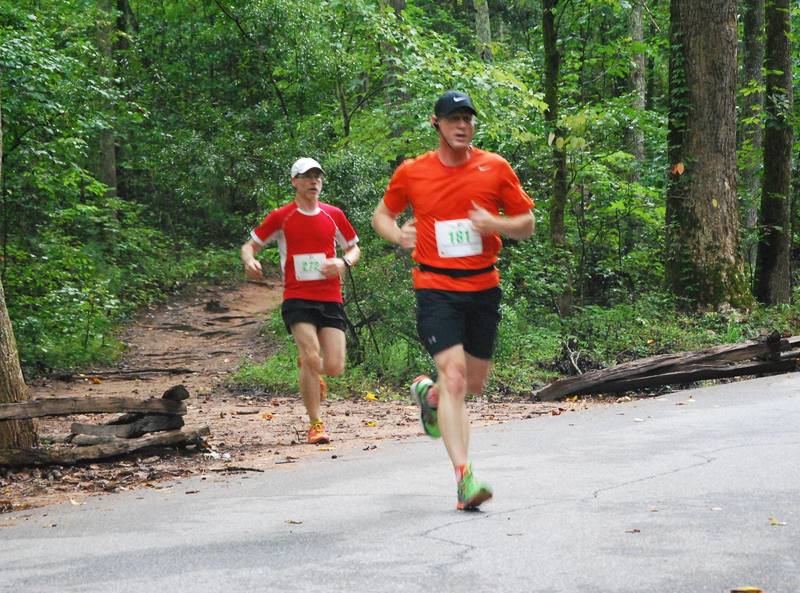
471, 491
428, 415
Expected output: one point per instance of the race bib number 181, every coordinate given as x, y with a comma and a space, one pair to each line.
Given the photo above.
457, 238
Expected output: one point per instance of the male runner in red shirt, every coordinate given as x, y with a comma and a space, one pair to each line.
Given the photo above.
462, 199
307, 232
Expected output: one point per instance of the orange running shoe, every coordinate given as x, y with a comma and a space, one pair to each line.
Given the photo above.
323, 386
317, 434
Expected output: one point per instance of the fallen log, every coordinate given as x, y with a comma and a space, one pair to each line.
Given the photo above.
140, 426
173, 438
83, 440
84, 405
612, 379
697, 373
790, 355
128, 426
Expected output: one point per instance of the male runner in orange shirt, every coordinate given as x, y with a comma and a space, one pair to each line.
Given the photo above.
462, 199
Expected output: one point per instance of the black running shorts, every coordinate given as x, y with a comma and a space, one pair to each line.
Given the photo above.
446, 318
318, 313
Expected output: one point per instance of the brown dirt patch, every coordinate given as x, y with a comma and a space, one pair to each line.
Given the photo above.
212, 332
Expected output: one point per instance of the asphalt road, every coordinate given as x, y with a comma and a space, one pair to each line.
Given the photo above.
692, 492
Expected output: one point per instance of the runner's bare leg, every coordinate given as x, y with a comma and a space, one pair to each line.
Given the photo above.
453, 420
308, 347
332, 342
477, 372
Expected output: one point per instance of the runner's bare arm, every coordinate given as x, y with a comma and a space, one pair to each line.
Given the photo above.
337, 265
353, 254
520, 226
252, 267
384, 221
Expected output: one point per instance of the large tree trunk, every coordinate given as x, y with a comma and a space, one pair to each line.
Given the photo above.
558, 199
636, 80
752, 106
483, 29
13, 433
702, 231
773, 275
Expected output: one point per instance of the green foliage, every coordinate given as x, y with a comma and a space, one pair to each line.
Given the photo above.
210, 105
89, 269
277, 375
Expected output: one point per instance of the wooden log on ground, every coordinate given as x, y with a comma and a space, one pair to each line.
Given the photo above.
701, 372
85, 440
143, 425
596, 381
173, 438
175, 393
125, 419
65, 406
790, 355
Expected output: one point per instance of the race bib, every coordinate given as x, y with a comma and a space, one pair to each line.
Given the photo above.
457, 238
307, 266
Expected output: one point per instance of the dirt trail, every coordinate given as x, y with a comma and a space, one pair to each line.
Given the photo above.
211, 333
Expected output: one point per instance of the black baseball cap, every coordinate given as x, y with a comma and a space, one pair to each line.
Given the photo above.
452, 100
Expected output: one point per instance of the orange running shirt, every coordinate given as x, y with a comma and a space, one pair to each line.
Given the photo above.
437, 193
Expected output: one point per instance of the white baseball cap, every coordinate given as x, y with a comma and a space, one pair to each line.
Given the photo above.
304, 164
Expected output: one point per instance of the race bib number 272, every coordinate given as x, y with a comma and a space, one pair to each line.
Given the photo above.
307, 266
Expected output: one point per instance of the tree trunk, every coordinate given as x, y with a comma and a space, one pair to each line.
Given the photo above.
702, 222
13, 433
126, 29
483, 29
105, 33
773, 275
652, 76
395, 96
558, 200
634, 134
752, 106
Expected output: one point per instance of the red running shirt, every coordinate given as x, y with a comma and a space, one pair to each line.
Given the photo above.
441, 198
305, 240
